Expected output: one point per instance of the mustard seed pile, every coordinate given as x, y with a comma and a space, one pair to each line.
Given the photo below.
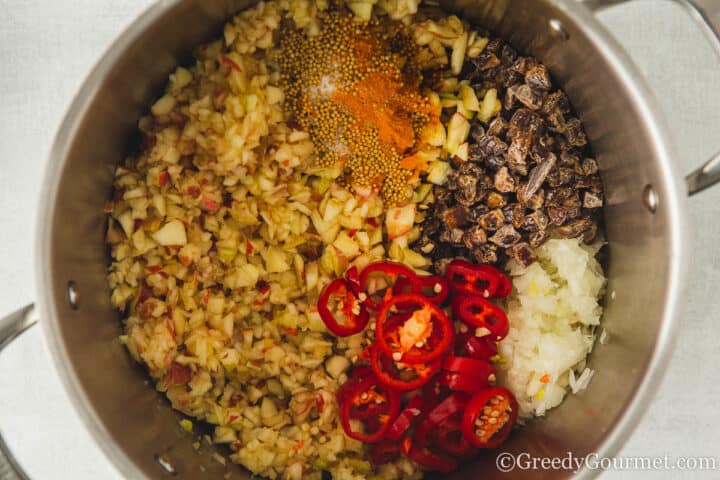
355, 88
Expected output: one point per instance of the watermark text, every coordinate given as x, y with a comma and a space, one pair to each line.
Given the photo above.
507, 462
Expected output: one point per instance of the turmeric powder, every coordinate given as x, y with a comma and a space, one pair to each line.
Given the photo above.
377, 101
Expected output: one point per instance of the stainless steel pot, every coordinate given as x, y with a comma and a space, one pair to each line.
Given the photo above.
645, 219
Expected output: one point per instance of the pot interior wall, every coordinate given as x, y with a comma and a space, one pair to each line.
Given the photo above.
142, 425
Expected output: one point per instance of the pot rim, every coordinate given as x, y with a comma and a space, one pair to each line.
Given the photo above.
674, 201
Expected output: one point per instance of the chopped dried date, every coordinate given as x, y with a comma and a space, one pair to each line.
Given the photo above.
575, 228
440, 265
444, 250
537, 201
554, 108
581, 182
537, 238
575, 133
565, 176
456, 235
311, 250
485, 182
431, 225
556, 196
477, 211
557, 215
485, 254
517, 152
495, 200
454, 217
486, 60
442, 195
444, 236
498, 127
506, 236
589, 166
535, 222
573, 212
556, 101
510, 96
474, 237
553, 178
488, 146
499, 76
515, 214
494, 45
571, 159
492, 220
523, 65
508, 55
541, 150
573, 200
523, 122
477, 131
596, 185
493, 163
538, 78
590, 234
470, 169
424, 244
512, 78
533, 99
523, 254
534, 202
467, 189
504, 182
536, 178
591, 200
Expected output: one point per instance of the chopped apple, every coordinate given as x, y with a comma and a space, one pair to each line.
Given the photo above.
434, 134
448, 100
458, 130
476, 46
399, 220
422, 192
127, 222
164, 105
490, 106
447, 86
468, 98
441, 31
275, 95
438, 172
460, 108
362, 10
463, 152
333, 208
457, 58
362, 191
172, 233
346, 246
276, 260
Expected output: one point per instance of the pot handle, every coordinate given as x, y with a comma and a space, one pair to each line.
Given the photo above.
11, 326
707, 14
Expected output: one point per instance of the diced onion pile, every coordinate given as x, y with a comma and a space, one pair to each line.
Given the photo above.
553, 315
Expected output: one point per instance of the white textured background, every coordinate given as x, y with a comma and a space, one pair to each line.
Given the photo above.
48, 46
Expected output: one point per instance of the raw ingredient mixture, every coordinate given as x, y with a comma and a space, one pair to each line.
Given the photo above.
301, 247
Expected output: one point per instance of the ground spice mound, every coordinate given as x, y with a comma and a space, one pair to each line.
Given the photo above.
355, 88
